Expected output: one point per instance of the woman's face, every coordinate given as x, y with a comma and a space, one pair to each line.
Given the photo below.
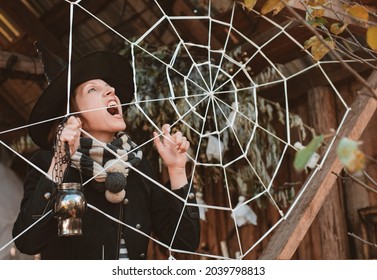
100, 111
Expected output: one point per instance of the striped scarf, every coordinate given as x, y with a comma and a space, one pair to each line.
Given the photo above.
109, 171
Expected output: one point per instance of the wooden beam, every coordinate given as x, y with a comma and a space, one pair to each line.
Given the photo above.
290, 232
195, 31
20, 64
58, 16
314, 77
330, 227
30, 24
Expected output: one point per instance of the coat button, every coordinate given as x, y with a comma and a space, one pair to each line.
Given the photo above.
191, 196
142, 256
125, 201
138, 226
47, 195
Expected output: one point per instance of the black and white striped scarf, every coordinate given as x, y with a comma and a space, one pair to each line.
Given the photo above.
109, 171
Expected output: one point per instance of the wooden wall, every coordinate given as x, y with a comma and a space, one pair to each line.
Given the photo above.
328, 236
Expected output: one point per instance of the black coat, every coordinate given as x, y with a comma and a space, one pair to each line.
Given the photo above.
147, 207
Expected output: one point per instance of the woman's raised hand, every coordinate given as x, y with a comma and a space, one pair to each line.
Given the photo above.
71, 133
172, 150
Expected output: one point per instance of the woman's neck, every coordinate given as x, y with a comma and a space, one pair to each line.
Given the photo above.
103, 137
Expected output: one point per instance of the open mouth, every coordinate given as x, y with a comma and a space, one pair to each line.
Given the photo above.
112, 108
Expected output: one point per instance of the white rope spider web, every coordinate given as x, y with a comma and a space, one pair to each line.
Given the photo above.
208, 102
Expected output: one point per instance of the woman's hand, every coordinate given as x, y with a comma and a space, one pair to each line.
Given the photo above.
71, 134
172, 150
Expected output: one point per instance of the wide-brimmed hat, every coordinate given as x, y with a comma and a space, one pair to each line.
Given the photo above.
52, 104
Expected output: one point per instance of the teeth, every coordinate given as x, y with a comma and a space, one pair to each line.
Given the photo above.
112, 104
112, 107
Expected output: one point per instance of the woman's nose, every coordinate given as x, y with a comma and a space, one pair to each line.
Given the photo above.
109, 91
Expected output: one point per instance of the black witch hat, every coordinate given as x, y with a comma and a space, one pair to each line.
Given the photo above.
52, 104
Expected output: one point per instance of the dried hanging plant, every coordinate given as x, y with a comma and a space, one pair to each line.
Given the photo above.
232, 127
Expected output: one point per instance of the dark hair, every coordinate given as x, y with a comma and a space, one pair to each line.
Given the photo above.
51, 137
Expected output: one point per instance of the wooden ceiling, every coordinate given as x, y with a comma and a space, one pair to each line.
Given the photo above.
24, 21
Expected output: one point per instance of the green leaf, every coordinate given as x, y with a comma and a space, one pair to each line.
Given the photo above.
303, 156
318, 21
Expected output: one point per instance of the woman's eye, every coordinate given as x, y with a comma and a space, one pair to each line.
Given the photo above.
91, 90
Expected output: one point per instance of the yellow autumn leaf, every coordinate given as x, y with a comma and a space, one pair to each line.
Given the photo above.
372, 37
315, 8
249, 4
359, 12
336, 29
316, 2
318, 12
318, 49
308, 43
274, 6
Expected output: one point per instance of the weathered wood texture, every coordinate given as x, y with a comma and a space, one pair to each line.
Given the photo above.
289, 233
327, 236
21, 64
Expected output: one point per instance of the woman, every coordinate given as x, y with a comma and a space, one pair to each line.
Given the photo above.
102, 81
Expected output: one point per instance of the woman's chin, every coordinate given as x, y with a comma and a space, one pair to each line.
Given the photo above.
119, 126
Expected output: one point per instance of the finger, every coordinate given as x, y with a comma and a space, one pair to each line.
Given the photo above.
69, 138
166, 128
157, 142
71, 127
67, 133
167, 138
184, 145
73, 123
79, 121
72, 120
178, 138
70, 133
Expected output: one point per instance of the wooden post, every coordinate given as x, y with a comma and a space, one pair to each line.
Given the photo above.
357, 197
289, 233
329, 227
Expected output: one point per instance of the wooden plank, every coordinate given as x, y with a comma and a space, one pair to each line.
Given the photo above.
355, 196
197, 31
22, 64
330, 228
58, 16
299, 85
30, 24
290, 232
